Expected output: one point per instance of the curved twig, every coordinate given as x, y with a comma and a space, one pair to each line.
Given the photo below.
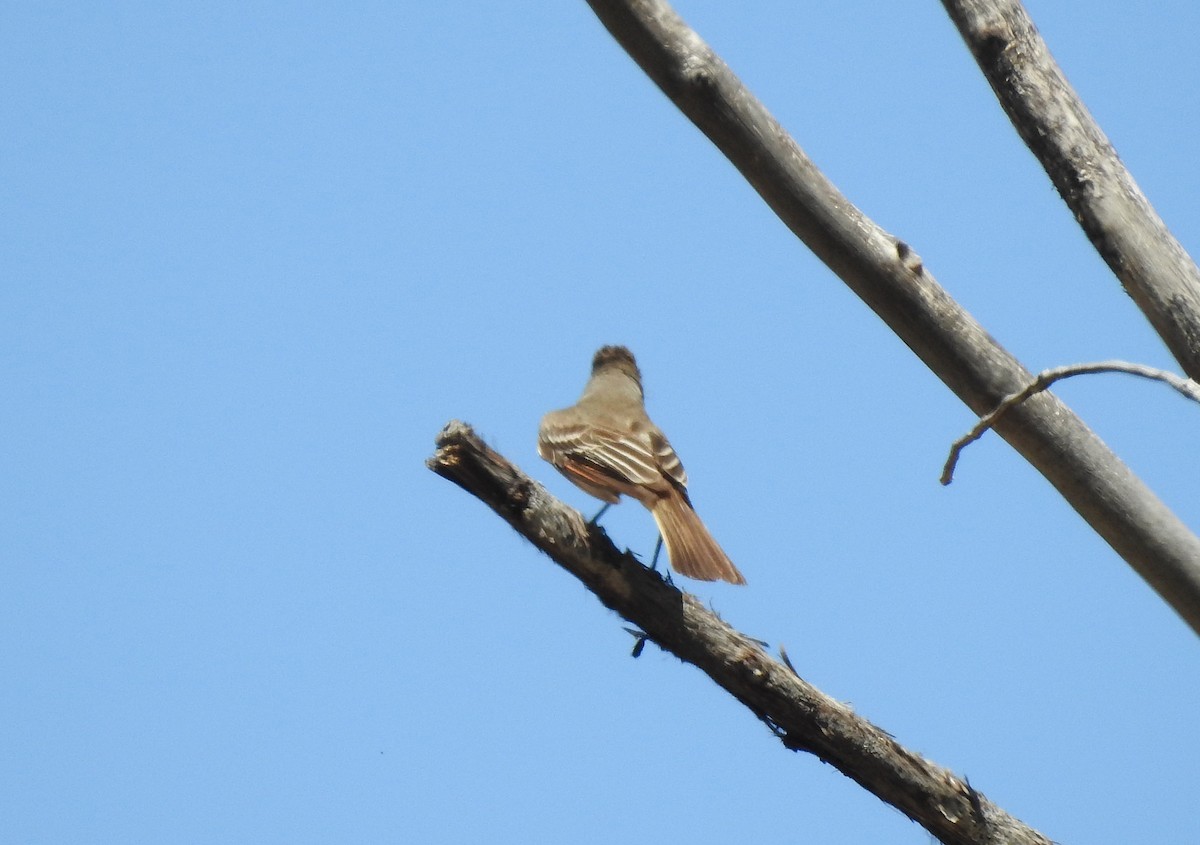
1044, 379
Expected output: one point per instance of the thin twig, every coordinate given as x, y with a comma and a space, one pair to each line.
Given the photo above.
1044, 379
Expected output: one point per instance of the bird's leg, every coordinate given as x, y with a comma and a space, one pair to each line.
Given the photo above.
599, 513
657, 550
666, 576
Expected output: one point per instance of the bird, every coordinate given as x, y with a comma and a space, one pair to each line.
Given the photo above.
607, 445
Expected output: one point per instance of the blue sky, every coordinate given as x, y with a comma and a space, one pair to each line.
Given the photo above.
256, 255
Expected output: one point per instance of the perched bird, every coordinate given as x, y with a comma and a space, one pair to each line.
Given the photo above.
607, 445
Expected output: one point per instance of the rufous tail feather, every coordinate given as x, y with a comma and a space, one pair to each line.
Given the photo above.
692, 550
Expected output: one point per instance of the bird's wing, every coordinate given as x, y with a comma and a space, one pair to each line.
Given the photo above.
629, 457
668, 462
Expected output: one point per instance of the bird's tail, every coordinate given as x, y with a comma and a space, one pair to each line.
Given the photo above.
692, 550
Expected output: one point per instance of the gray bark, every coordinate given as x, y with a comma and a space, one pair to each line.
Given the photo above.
1152, 265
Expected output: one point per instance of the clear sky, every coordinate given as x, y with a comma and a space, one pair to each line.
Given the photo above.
255, 255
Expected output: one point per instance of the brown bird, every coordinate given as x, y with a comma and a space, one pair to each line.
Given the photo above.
607, 445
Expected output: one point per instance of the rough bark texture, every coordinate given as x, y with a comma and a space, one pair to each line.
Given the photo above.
804, 718
1154, 268
889, 276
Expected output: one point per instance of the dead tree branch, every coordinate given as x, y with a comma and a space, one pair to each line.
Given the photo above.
804, 718
1124, 228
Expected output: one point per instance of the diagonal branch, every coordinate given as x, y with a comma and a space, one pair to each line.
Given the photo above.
800, 715
1058, 129
893, 281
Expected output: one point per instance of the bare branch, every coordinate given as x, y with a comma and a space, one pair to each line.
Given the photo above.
1056, 126
804, 718
1044, 379
891, 278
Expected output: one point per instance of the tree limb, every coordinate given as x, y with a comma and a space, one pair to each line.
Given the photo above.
800, 715
1045, 378
1153, 267
889, 276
